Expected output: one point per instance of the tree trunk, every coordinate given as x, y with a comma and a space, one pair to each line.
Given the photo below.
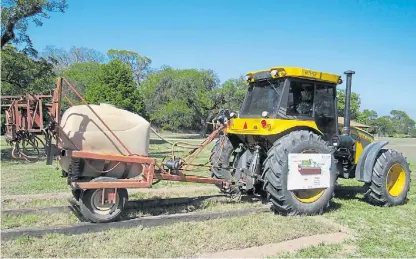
204, 128
25, 12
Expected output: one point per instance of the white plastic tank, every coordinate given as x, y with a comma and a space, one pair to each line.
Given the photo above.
83, 130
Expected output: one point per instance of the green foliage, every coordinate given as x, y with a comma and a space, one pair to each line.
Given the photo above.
383, 126
82, 75
139, 65
115, 85
15, 16
413, 133
21, 74
181, 98
367, 117
402, 123
355, 104
232, 93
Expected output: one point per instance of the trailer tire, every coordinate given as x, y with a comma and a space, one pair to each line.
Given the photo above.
76, 193
287, 202
89, 204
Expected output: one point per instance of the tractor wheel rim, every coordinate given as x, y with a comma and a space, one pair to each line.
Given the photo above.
100, 208
310, 195
396, 180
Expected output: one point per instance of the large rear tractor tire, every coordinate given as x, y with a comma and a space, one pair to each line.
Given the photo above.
220, 156
299, 202
390, 181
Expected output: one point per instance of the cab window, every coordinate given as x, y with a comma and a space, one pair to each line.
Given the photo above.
300, 99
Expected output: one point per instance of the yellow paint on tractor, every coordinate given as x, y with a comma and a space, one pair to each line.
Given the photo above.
396, 180
308, 196
300, 73
362, 139
254, 126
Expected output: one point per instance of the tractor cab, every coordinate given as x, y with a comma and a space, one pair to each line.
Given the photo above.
284, 96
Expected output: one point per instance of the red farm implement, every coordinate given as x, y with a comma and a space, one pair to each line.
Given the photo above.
102, 198
24, 123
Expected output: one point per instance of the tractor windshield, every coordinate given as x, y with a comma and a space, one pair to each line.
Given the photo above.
262, 96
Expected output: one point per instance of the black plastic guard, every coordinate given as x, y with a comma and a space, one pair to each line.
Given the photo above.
367, 159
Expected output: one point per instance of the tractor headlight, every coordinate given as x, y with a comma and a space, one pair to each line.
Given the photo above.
248, 78
274, 73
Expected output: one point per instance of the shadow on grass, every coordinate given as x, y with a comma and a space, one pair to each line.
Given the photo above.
6, 156
355, 193
350, 192
333, 206
135, 209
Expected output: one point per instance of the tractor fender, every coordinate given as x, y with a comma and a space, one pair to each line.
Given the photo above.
367, 159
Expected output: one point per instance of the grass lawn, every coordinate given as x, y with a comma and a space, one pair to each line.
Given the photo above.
180, 239
378, 231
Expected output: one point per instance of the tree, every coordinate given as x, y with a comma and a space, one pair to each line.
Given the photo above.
139, 65
63, 59
178, 99
413, 133
402, 123
21, 74
232, 93
115, 85
384, 126
355, 104
15, 15
83, 75
367, 116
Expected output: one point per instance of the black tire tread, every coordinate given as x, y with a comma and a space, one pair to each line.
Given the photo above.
85, 207
277, 157
376, 195
220, 157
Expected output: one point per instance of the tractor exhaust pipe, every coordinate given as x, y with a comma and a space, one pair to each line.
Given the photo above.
347, 112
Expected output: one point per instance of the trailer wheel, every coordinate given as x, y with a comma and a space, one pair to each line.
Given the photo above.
94, 210
76, 194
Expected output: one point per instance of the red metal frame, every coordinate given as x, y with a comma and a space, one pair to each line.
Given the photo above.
23, 113
150, 172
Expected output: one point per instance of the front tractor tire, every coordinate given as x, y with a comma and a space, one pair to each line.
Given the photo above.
390, 179
299, 202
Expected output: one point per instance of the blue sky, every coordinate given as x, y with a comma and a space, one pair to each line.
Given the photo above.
377, 39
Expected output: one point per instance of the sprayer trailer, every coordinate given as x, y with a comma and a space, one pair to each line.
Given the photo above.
283, 144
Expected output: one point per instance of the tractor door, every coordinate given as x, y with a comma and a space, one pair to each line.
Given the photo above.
324, 109
310, 100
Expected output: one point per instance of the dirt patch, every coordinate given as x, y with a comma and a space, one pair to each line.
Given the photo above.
64, 195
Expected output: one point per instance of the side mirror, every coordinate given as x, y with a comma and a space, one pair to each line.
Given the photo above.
227, 114
233, 115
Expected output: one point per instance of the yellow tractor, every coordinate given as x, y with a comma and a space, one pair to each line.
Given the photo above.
287, 111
